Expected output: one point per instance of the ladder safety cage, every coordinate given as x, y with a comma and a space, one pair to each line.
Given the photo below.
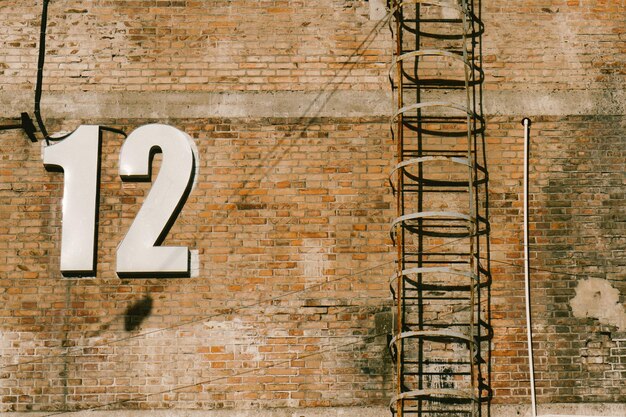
441, 334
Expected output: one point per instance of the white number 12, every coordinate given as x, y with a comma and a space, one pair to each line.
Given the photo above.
139, 253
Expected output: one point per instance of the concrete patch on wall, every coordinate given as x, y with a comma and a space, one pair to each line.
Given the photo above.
597, 298
176, 104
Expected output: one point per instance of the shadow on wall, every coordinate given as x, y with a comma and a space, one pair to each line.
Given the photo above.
136, 313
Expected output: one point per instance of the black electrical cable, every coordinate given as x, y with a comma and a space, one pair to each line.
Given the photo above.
40, 64
38, 88
114, 130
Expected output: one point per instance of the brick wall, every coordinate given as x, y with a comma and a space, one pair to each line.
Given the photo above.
577, 233
214, 45
288, 305
566, 44
289, 219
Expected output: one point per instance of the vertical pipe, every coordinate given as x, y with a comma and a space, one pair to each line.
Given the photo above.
526, 122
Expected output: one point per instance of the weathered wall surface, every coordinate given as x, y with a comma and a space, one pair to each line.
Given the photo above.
289, 221
288, 306
213, 45
577, 255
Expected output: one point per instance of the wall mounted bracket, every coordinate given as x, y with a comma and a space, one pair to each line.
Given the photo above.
26, 123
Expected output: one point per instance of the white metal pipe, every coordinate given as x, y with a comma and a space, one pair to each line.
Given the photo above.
526, 122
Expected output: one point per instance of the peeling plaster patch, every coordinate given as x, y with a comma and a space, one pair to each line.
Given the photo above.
378, 9
232, 332
314, 260
597, 298
195, 262
5, 354
451, 12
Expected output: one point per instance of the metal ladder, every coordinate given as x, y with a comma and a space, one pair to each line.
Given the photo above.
441, 335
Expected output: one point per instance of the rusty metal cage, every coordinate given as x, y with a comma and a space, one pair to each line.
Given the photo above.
440, 344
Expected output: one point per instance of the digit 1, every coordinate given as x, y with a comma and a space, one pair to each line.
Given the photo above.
78, 157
